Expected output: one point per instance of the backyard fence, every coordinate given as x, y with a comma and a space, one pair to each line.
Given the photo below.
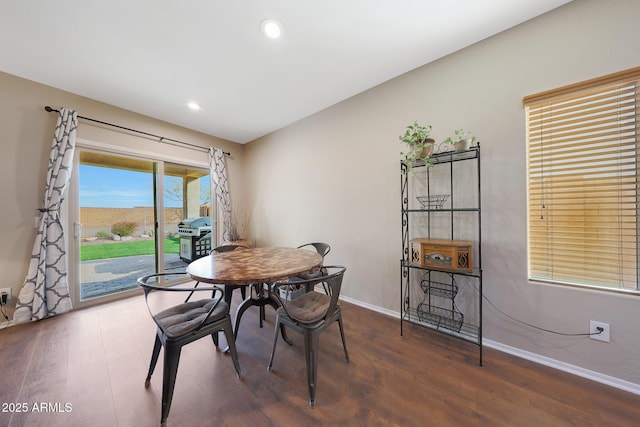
97, 221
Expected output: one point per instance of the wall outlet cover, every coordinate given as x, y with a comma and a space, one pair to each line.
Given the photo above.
602, 336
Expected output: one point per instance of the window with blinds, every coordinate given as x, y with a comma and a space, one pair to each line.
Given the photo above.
583, 183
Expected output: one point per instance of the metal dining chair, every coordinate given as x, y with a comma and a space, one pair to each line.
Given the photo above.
323, 249
181, 324
310, 314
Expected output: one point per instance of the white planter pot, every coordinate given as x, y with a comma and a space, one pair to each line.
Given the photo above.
428, 150
462, 145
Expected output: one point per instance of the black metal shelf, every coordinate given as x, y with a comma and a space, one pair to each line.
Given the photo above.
476, 272
433, 304
443, 210
448, 157
467, 331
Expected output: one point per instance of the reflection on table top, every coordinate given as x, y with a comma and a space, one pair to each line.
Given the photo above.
254, 265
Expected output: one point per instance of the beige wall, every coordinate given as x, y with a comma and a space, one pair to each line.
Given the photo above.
334, 177
25, 139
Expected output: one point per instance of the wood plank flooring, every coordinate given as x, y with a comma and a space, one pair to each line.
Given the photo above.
88, 368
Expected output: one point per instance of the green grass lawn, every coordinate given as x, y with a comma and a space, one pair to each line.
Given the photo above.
122, 249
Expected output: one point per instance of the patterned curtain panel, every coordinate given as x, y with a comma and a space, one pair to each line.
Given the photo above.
45, 291
219, 181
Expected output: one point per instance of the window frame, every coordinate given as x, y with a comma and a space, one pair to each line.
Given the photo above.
556, 97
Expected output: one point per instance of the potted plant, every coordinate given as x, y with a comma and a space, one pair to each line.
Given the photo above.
419, 145
461, 140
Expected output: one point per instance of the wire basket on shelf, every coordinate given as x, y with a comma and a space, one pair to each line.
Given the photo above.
440, 317
433, 201
439, 289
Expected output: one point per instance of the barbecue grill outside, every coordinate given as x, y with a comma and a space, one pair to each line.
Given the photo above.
195, 238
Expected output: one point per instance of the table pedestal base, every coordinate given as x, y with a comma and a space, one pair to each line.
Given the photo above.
261, 299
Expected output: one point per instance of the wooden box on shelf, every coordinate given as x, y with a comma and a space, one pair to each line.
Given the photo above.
442, 254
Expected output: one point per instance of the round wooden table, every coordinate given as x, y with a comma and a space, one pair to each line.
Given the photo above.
254, 266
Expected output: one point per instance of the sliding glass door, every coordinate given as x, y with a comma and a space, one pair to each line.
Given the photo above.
126, 216
187, 200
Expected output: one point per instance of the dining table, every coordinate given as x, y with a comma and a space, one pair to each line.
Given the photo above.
257, 267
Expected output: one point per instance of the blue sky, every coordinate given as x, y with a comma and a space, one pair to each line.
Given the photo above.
117, 188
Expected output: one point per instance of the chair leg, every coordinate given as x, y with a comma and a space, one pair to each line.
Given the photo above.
263, 315
215, 338
311, 340
154, 359
344, 343
275, 341
228, 333
171, 360
228, 293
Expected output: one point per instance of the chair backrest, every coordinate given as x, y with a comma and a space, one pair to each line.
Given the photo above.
226, 248
313, 307
322, 248
197, 313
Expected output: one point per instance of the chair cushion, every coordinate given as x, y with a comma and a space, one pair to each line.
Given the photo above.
309, 308
184, 318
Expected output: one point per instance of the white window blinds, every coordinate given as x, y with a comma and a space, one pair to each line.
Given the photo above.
583, 183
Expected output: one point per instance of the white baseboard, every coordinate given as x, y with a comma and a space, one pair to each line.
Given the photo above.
543, 360
371, 307
566, 367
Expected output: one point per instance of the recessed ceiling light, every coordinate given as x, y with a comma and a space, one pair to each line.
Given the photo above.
194, 106
271, 28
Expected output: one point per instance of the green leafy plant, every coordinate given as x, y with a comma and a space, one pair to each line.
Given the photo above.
420, 146
123, 228
460, 135
101, 234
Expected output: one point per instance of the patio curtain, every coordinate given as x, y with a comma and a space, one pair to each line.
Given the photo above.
219, 181
45, 291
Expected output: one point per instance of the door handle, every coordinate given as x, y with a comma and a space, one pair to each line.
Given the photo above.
77, 229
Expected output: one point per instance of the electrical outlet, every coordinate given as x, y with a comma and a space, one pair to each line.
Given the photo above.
594, 328
6, 294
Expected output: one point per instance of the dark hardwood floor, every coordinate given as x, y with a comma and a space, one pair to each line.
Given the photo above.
88, 369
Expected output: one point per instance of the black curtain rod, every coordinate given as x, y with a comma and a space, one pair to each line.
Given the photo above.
161, 138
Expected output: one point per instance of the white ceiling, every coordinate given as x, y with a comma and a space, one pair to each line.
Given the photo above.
154, 56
